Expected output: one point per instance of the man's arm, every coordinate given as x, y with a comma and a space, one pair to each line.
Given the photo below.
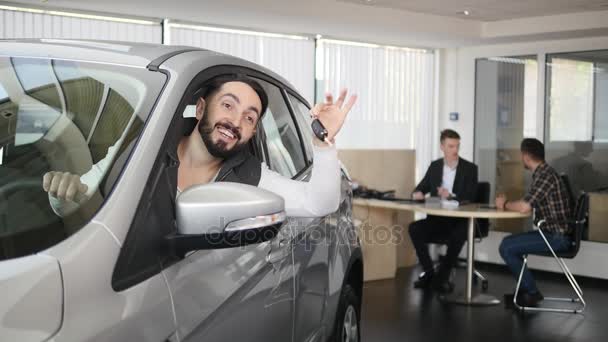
519, 206
321, 195
538, 191
67, 192
318, 197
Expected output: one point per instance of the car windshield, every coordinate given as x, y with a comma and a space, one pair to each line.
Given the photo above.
63, 116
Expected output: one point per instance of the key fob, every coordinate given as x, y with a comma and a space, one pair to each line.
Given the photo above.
319, 130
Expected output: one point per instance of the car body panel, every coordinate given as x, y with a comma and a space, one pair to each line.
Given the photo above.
32, 292
93, 311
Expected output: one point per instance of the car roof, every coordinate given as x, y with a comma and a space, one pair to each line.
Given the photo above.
112, 52
115, 52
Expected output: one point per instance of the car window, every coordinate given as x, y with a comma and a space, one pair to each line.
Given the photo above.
36, 78
66, 117
282, 140
302, 114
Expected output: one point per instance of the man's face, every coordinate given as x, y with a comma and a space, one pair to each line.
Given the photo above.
525, 159
450, 148
228, 120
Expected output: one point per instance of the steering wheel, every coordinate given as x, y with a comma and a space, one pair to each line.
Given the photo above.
18, 185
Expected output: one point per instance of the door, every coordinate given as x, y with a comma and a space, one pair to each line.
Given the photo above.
313, 245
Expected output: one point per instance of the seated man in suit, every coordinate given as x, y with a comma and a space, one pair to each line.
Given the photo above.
450, 176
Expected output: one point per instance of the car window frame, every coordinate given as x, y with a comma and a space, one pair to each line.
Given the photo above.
283, 91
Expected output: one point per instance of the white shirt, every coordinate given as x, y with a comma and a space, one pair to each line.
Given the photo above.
319, 196
449, 174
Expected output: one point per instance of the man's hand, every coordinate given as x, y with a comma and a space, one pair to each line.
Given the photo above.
63, 185
443, 193
418, 195
332, 115
500, 201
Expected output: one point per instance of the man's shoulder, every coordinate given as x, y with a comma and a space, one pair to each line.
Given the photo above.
437, 162
550, 171
467, 163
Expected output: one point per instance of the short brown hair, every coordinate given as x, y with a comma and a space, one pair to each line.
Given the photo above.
449, 134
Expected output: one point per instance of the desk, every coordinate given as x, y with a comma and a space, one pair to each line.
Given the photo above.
471, 212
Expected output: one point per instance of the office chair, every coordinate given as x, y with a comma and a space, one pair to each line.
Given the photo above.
571, 195
577, 225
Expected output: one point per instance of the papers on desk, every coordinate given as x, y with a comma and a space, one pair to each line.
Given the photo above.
449, 204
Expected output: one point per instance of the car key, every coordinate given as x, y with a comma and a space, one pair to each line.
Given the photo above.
320, 131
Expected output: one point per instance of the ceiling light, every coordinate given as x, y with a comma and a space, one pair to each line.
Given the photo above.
237, 31
465, 12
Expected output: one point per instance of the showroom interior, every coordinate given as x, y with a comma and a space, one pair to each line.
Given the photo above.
499, 73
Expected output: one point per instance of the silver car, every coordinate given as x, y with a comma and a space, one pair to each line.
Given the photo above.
220, 262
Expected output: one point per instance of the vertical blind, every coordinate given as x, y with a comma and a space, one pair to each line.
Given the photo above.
19, 24
292, 57
396, 111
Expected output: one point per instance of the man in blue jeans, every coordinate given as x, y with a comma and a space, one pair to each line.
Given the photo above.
548, 198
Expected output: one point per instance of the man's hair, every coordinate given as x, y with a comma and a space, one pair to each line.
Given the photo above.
534, 148
214, 84
448, 134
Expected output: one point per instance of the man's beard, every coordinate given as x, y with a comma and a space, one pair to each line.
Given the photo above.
219, 149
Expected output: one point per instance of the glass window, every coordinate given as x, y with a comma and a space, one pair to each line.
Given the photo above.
37, 137
38, 81
302, 113
576, 143
505, 113
575, 126
570, 98
283, 143
83, 95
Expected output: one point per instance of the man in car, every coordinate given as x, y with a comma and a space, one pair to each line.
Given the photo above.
228, 111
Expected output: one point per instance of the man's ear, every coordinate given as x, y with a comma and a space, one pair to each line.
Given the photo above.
200, 108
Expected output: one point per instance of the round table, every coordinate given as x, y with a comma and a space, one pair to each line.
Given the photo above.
471, 212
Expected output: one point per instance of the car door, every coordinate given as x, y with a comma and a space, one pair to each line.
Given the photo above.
243, 293
290, 153
314, 245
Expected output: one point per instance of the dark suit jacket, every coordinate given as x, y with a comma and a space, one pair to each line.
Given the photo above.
465, 183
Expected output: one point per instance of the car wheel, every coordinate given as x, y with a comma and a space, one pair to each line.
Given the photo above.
347, 327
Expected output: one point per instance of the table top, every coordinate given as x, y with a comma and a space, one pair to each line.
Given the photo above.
436, 208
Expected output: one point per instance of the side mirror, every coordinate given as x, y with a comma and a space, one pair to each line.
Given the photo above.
225, 215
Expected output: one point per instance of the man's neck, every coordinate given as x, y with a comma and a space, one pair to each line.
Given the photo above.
193, 153
450, 163
535, 165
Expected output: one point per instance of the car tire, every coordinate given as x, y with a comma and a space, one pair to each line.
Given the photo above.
347, 327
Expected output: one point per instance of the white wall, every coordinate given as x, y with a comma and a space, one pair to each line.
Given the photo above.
457, 93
